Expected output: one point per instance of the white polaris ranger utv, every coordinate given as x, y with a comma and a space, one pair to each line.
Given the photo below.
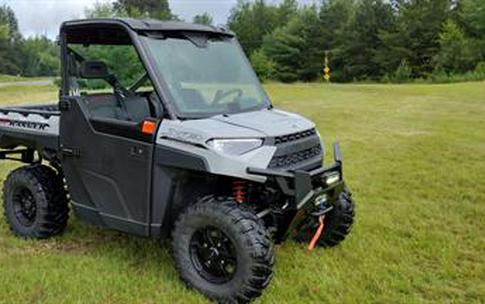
193, 151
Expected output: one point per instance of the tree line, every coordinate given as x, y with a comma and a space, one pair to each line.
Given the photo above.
33, 56
39, 56
365, 40
376, 40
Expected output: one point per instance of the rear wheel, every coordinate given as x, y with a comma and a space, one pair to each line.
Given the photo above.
337, 225
223, 251
35, 202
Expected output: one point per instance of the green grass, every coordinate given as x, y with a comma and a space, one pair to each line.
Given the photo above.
10, 78
20, 95
415, 160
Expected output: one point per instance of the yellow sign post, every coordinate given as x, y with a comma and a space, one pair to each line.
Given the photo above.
326, 70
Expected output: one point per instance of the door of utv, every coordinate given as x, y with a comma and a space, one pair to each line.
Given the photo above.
107, 167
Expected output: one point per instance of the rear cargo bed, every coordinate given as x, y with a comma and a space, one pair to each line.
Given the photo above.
33, 126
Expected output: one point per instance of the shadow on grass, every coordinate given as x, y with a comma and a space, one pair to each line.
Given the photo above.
140, 254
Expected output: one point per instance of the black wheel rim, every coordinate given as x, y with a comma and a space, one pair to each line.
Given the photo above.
24, 206
213, 255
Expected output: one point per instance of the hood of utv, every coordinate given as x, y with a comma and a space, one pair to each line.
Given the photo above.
258, 124
269, 123
287, 146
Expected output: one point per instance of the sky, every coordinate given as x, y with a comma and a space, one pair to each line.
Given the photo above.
43, 17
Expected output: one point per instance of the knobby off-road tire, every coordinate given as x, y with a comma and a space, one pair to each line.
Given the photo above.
35, 202
243, 234
338, 223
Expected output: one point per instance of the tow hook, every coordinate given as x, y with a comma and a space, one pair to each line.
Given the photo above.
321, 224
318, 233
322, 212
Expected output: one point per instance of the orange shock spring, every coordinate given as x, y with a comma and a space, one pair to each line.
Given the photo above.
239, 191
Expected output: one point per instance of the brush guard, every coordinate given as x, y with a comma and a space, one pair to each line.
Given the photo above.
314, 191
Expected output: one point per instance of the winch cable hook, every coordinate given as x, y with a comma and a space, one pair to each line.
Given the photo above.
318, 233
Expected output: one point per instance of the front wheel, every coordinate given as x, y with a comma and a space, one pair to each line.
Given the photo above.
223, 250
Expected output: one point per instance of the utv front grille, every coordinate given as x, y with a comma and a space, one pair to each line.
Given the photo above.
294, 136
290, 160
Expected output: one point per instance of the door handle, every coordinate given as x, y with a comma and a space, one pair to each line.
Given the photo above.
137, 151
71, 152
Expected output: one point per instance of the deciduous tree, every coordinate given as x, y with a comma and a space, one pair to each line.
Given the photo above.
205, 19
159, 9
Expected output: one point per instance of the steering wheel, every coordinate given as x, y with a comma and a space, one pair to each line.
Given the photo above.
221, 95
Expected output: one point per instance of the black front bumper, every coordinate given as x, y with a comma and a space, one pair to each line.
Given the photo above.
306, 186
303, 185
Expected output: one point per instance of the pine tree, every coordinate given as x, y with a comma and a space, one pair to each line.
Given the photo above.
457, 53
9, 42
415, 39
359, 40
251, 21
334, 15
473, 12
7, 17
294, 48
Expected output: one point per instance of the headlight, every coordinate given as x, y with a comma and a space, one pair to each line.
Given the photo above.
235, 146
332, 178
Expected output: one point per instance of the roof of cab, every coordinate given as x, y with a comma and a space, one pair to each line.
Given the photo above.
146, 25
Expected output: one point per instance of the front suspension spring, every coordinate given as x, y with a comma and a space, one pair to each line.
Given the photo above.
239, 191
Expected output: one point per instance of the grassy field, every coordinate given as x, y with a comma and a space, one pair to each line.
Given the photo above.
415, 160
9, 78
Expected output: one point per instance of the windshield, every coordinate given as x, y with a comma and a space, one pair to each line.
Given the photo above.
207, 77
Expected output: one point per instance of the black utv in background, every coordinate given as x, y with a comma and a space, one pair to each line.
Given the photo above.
192, 150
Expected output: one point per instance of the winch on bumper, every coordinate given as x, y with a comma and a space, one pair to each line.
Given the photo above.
314, 192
